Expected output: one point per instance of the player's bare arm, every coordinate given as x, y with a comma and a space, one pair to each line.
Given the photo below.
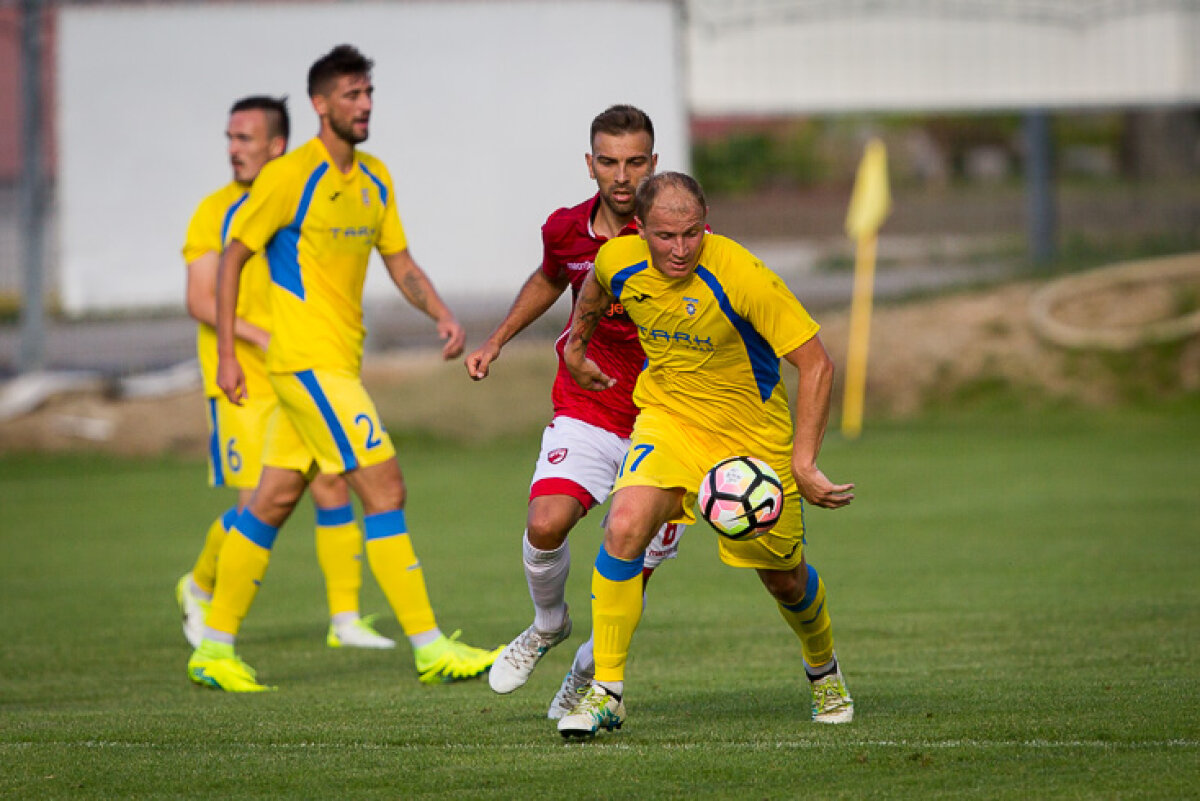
594, 300
812, 414
536, 296
418, 290
202, 299
230, 377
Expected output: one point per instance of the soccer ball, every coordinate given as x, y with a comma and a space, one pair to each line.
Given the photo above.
741, 498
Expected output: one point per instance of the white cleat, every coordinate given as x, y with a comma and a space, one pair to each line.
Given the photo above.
193, 608
597, 709
831, 701
570, 693
358, 633
518, 659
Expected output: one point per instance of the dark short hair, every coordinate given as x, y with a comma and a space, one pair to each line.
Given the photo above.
650, 186
342, 60
275, 109
621, 119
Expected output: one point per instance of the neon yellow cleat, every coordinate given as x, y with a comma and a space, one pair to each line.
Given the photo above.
446, 659
193, 608
215, 665
358, 633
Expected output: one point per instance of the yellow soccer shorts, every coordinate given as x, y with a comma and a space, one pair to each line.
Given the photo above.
325, 419
236, 435
666, 453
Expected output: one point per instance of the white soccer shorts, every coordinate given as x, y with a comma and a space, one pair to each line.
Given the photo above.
582, 460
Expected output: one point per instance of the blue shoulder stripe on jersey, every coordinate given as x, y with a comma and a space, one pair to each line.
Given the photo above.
283, 251
309, 380
232, 210
763, 360
618, 281
214, 445
383, 193
615, 569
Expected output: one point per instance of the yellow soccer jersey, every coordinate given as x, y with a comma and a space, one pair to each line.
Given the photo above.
206, 233
317, 227
713, 340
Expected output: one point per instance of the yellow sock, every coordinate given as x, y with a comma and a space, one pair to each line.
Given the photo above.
240, 571
204, 573
395, 566
809, 618
339, 552
616, 612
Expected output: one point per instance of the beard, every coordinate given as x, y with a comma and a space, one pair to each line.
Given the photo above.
620, 209
345, 132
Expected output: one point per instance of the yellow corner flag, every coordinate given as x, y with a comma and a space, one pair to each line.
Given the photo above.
870, 205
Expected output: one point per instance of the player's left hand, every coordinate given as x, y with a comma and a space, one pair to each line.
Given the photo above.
589, 376
820, 491
453, 335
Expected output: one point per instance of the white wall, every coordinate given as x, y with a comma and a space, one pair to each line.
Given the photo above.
806, 56
482, 114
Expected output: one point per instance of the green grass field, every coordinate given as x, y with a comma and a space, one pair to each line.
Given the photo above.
1016, 601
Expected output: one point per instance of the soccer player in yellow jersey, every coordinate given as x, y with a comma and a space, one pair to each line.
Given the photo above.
317, 213
257, 132
714, 323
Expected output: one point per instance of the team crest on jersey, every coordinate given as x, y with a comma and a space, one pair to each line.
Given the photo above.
690, 305
366, 197
557, 455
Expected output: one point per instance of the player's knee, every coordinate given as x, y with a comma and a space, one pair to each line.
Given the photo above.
546, 530
274, 503
785, 585
627, 534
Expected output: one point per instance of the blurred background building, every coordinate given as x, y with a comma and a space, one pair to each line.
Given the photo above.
1022, 134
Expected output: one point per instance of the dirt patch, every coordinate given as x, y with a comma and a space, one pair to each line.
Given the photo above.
921, 352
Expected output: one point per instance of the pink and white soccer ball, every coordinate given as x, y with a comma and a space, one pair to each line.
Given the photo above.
741, 498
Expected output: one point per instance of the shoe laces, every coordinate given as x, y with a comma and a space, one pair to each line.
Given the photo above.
528, 647
594, 701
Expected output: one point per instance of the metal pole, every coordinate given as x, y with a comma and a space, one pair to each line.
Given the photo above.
31, 213
1039, 187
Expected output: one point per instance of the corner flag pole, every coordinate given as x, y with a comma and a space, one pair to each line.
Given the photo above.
869, 207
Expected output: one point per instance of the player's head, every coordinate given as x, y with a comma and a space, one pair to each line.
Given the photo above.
622, 154
257, 132
670, 210
339, 84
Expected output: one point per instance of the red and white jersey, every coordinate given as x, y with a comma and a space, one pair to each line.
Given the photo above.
569, 246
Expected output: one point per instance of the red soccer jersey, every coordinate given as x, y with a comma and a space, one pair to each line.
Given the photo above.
569, 245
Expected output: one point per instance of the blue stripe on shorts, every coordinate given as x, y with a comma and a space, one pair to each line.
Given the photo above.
309, 380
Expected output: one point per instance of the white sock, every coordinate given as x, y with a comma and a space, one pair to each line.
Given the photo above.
424, 638
585, 662
616, 688
546, 574
344, 619
195, 590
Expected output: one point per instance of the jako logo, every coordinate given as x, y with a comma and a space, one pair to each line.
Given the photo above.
557, 455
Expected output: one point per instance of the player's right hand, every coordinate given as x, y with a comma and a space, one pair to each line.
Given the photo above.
478, 361
231, 380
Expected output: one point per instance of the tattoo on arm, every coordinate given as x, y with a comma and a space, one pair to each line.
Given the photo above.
414, 290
